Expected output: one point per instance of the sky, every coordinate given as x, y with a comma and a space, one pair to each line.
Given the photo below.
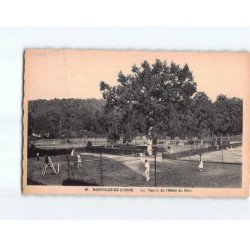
60, 74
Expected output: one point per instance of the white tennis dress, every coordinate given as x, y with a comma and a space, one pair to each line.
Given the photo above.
79, 161
201, 165
147, 171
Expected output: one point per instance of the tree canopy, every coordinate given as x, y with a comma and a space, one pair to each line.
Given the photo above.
67, 117
156, 100
152, 97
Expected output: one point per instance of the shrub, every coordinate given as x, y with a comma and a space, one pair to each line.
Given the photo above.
113, 138
89, 144
127, 138
167, 155
154, 141
190, 142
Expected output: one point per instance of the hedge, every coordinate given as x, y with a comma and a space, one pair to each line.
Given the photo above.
125, 150
64, 151
117, 150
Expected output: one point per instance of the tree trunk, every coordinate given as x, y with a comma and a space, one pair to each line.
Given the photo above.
150, 142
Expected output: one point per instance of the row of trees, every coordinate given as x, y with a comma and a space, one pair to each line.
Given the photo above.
154, 100
79, 118
66, 118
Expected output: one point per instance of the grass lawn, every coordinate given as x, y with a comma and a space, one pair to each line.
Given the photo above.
129, 171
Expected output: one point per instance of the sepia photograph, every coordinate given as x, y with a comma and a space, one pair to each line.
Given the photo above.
125, 120
134, 122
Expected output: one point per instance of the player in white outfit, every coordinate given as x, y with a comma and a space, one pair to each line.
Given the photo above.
79, 161
201, 163
147, 170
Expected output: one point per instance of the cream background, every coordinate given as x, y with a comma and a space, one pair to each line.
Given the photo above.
77, 73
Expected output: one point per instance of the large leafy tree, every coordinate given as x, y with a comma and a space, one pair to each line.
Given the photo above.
203, 115
228, 115
150, 96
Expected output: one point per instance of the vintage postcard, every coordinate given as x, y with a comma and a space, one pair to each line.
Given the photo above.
140, 123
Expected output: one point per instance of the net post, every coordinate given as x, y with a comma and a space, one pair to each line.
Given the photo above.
222, 156
68, 164
155, 164
101, 168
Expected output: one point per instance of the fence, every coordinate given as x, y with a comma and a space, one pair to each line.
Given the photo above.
191, 151
99, 170
222, 154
